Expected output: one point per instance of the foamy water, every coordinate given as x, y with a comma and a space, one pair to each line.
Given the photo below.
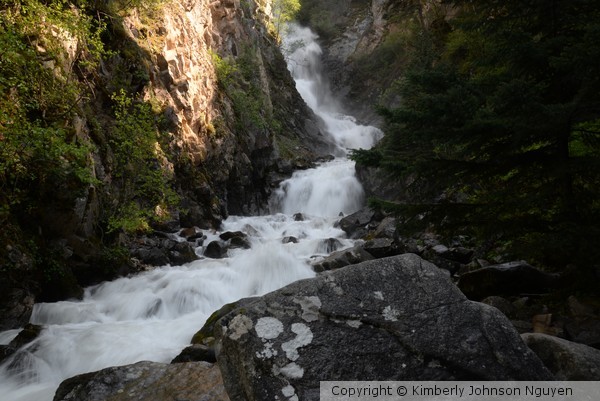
153, 315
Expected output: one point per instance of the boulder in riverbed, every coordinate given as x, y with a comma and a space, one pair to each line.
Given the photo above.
345, 257
215, 250
397, 318
148, 381
566, 359
355, 225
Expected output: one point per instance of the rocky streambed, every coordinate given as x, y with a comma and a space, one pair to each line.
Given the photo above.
393, 318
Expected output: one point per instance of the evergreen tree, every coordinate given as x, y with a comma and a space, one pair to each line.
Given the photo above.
499, 125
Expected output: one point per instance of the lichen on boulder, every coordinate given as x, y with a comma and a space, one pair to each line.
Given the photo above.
397, 318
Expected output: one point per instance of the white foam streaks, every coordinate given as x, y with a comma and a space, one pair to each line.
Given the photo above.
153, 315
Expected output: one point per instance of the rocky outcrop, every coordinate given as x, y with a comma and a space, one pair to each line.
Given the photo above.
235, 146
565, 359
397, 318
222, 147
148, 381
16, 305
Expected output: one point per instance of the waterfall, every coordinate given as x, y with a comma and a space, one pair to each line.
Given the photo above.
153, 315
331, 188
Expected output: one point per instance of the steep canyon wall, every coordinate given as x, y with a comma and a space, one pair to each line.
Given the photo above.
209, 78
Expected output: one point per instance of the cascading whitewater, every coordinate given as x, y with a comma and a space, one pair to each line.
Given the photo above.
303, 55
332, 188
153, 315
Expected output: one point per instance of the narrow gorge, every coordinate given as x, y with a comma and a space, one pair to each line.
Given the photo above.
225, 200
153, 315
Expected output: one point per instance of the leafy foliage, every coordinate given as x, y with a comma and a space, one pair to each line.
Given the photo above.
50, 53
320, 15
283, 11
38, 97
497, 131
146, 193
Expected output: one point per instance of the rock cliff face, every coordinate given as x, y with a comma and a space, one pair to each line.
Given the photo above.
237, 155
210, 77
363, 42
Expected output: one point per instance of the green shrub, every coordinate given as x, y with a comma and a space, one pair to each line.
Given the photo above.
39, 96
146, 192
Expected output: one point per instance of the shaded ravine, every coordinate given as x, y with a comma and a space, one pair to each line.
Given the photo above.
153, 315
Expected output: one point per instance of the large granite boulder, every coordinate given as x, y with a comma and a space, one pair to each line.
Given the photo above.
148, 381
566, 359
397, 318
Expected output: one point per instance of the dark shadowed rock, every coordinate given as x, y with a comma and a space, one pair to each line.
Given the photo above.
566, 359
234, 239
397, 318
354, 225
215, 250
29, 333
181, 253
196, 353
329, 245
387, 228
191, 233
169, 226
148, 381
455, 254
289, 239
502, 304
6, 351
583, 322
162, 248
506, 279
345, 257
16, 305
227, 235
381, 247
298, 217
378, 183
459, 254
151, 256
239, 242
442, 263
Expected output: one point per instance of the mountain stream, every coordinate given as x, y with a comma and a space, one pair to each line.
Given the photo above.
153, 315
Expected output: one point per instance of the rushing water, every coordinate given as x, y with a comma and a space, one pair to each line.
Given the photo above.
153, 315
